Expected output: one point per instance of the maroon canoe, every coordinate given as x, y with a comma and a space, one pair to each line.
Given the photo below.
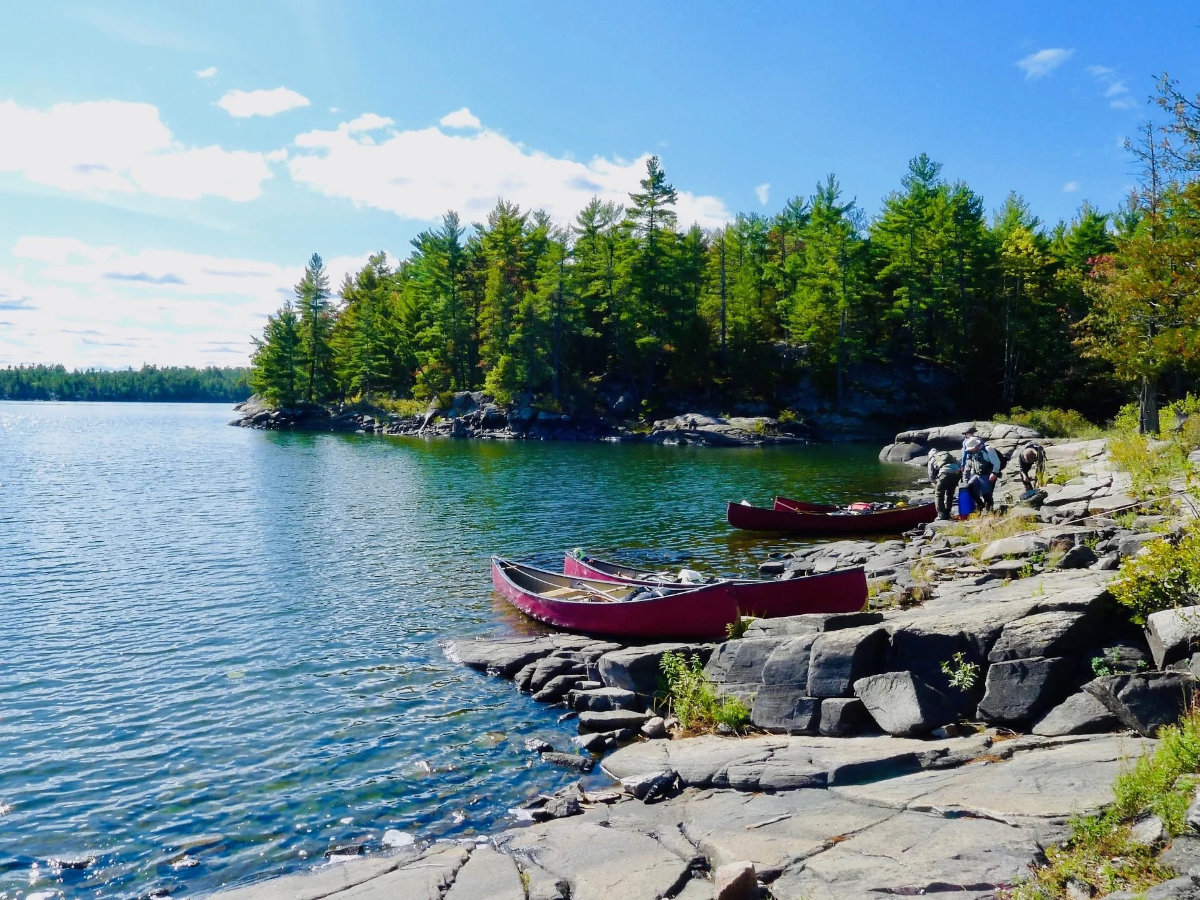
607, 608
843, 590
798, 521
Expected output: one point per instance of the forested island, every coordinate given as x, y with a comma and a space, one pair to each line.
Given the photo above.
624, 309
148, 384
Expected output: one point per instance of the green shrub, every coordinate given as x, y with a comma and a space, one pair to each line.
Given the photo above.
1054, 423
1128, 419
693, 698
1100, 856
1151, 464
1166, 576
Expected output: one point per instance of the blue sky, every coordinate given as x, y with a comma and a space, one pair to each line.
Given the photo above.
167, 168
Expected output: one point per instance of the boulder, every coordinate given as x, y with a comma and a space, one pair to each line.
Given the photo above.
503, 657
569, 760
612, 720
1173, 634
603, 700
783, 709
552, 667
1022, 690
1080, 713
902, 452
637, 668
1055, 633
740, 661
651, 786
1130, 544
557, 688
788, 662
1145, 701
735, 881
843, 716
902, 704
1020, 545
1078, 557
840, 658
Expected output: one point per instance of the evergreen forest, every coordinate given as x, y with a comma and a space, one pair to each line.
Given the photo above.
1084, 314
167, 385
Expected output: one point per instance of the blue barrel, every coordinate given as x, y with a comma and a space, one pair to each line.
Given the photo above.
966, 503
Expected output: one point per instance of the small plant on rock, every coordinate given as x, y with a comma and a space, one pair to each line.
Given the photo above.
963, 674
693, 698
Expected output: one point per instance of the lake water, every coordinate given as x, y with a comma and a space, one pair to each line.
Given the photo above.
224, 649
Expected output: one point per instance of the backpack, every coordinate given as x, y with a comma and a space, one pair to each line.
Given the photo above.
1003, 460
945, 463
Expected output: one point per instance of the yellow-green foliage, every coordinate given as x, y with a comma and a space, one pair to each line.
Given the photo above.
1151, 464
1100, 855
983, 530
1166, 576
693, 698
406, 407
1054, 423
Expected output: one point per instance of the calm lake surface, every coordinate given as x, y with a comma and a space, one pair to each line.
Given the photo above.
224, 649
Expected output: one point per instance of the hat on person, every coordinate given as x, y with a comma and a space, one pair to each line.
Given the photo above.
968, 430
973, 444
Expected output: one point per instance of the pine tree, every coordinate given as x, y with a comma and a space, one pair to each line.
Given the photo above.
316, 330
275, 367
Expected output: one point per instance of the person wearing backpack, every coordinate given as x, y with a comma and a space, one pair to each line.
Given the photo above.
1032, 463
944, 472
981, 469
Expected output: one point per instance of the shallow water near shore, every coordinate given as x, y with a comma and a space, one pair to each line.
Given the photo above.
224, 649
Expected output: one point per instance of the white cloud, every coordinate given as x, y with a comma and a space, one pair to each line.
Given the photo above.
763, 193
367, 122
1116, 92
244, 104
83, 304
460, 118
1042, 63
1070, 187
210, 72
421, 174
106, 146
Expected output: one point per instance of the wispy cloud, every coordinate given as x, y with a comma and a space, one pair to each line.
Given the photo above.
244, 104
112, 146
1070, 187
84, 304
1042, 63
210, 72
1116, 92
419, 174
763, 193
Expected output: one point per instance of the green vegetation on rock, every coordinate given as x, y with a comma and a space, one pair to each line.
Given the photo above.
693, 699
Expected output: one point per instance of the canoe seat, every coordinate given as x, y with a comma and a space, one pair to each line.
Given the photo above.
557, 593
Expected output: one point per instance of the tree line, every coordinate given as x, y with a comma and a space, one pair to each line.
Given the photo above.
166, 385
623, 298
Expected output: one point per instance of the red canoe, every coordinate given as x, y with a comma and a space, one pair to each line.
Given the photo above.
607, 608
595, 606
792, 516
843, 590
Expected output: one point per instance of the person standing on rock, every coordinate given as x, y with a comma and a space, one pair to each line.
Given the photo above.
981, 469
944, 472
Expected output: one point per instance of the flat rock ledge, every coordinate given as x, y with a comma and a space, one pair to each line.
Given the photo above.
885, 820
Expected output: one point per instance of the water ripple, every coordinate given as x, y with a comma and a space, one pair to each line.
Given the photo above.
224, 648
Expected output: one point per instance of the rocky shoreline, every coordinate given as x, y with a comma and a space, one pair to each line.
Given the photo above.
858, 778
477, 416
